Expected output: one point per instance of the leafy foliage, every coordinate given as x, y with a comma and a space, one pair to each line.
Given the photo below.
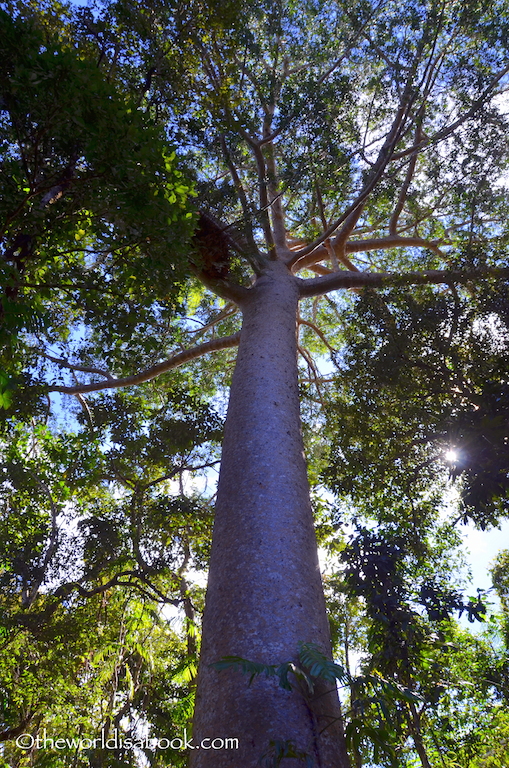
93, 205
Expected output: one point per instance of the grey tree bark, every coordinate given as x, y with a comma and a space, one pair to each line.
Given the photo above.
264, 593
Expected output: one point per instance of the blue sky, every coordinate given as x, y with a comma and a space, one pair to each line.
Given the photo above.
482, 548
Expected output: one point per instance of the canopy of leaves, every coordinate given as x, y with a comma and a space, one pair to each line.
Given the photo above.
93, 205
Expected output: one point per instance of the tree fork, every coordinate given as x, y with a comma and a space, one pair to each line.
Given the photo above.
264, 592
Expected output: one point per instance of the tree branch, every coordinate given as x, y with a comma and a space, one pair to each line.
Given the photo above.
29, 598
229, 310
226, 342
276, 206
74, 367
313, 371
65, 589
327, 244
171, 475
262, 187
362, 246
318, 286
351, 215
393, 223
318, 332
16, 730
248, 231
447, 130
392, 241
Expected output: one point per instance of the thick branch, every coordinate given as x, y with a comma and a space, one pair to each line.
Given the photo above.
262, 187
276, 205
392, 241
65, 589
156, 370
11, 733
393, 223
321, 270
362, 246
224, 288
275, 197
339, 243
328, 245
248, 230
317, 286
352, 213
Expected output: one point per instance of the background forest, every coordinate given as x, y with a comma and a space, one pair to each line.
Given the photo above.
121, 125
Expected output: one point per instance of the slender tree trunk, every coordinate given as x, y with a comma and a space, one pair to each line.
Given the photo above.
415, 728
264, 594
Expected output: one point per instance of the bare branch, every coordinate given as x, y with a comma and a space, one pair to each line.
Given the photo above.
393, 223
248, 231
362, 246
174, 472
86, 408
214, 345
271, 136
318, 332
229, 310
74, 367
352, 213
235, 177
67, 588
392, 241
318, 286
447, 130
321, 270
276, 205
339, 243
313, 371
328, 244
262, 188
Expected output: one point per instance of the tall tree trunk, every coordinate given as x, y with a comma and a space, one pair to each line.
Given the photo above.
264, 593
